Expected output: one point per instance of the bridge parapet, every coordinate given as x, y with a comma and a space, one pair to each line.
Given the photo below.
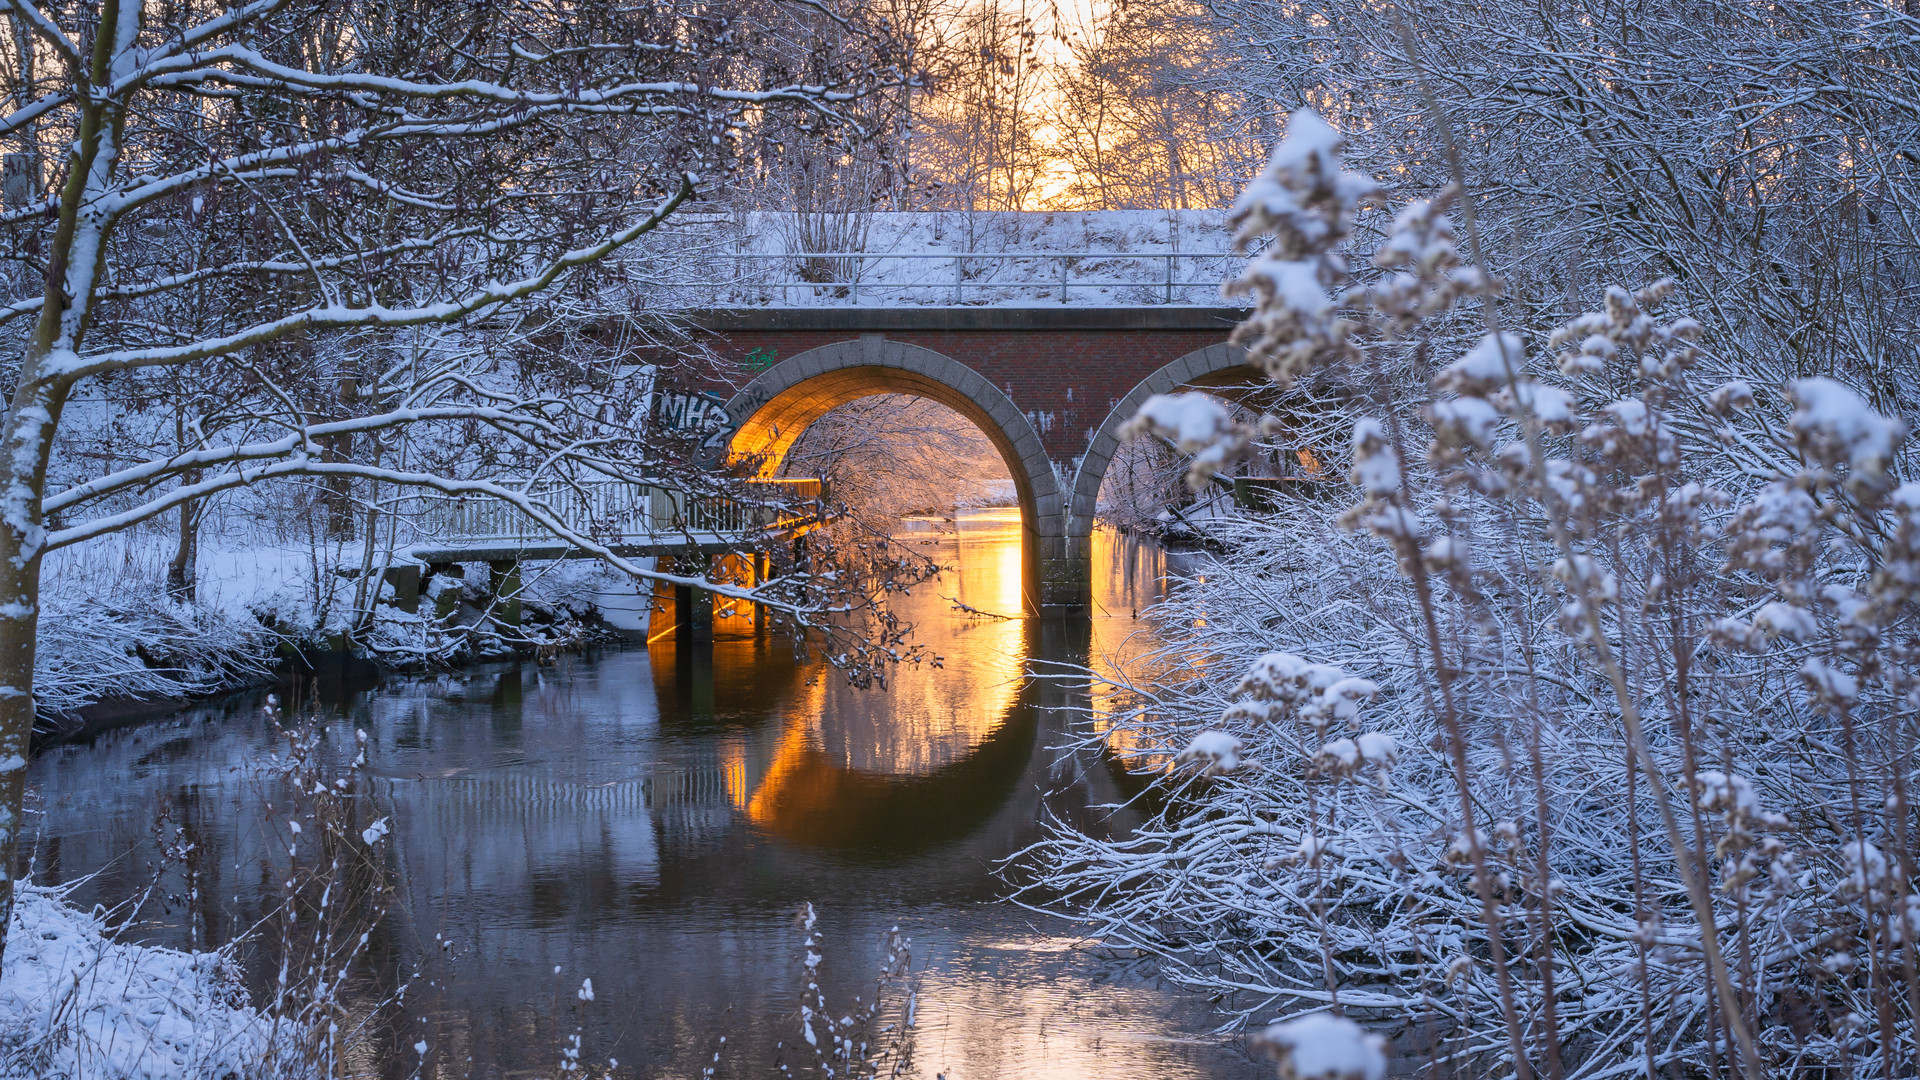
933, 259
959, 279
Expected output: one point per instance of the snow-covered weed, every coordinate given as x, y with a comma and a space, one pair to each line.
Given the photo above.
1584, 740
870, 1037
77, 1003
109, 629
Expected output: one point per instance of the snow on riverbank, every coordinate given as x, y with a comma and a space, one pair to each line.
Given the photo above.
110, 630
77, 1005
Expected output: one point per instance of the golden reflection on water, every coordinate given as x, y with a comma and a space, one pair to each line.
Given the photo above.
1129, 576
842, 753
652, 821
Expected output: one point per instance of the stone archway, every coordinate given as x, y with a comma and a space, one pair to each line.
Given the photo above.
1212, 367
770, 412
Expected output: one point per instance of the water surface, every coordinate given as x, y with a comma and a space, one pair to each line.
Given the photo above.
654, 819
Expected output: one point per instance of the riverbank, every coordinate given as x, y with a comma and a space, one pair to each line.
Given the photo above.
118, 646
76, 1003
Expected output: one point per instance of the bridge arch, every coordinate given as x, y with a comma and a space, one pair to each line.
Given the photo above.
771, 412
1212, 367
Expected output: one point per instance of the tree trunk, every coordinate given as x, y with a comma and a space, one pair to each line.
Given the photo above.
30, 424
19, 622
339, 489
181, 572
186, 551
29, 430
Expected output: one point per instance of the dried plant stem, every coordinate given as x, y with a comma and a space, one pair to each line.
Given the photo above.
1603, 654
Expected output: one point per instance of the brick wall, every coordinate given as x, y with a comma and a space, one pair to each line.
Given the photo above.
1066, 381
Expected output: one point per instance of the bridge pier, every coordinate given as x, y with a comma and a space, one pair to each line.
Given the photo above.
404, 580
503, 584
683, 611
760, 571
693, 614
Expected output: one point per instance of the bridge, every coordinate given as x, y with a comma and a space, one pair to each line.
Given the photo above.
633, 519
1048, 351
1050, 387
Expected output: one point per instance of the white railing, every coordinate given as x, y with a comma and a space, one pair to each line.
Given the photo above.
620, 512
1164, 277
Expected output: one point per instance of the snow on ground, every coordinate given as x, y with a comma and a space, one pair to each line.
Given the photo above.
110, 630
77, 1005
1105, 258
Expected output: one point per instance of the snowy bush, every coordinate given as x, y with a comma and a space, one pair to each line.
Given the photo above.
1582, 742
110, 630
75, 1003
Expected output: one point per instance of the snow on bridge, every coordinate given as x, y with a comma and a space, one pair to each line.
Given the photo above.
1047, 330
634, 519
1124, 258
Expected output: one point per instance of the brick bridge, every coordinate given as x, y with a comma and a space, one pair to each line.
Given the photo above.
1049, 386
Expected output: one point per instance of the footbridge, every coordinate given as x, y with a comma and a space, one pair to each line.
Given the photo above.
633, 519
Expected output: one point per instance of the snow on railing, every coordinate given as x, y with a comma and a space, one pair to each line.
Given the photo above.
1096, 258
622, 512
807, 278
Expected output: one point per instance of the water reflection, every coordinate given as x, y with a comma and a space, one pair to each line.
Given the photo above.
652, 820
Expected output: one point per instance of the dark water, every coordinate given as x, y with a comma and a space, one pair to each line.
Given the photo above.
653, 820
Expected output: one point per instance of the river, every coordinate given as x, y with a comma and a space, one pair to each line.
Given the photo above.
654, 820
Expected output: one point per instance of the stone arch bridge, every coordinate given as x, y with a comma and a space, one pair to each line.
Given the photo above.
1049, 386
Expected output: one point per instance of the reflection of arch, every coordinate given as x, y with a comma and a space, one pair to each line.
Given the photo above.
1214, 366
810, 797
770, 412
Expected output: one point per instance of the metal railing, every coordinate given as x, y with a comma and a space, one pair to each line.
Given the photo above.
623, 512
848, 272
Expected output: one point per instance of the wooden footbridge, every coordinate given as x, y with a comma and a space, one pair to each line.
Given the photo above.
633, 519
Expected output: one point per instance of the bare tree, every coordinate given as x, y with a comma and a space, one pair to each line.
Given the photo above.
1760, 156
1143, 120
895, 454
269, 198
977, 133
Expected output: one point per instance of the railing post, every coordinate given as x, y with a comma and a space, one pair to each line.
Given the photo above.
1170, 260
959, 274
760, 572
1063, 279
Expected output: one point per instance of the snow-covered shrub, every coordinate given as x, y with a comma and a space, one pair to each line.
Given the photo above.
1583, 740
109, 629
